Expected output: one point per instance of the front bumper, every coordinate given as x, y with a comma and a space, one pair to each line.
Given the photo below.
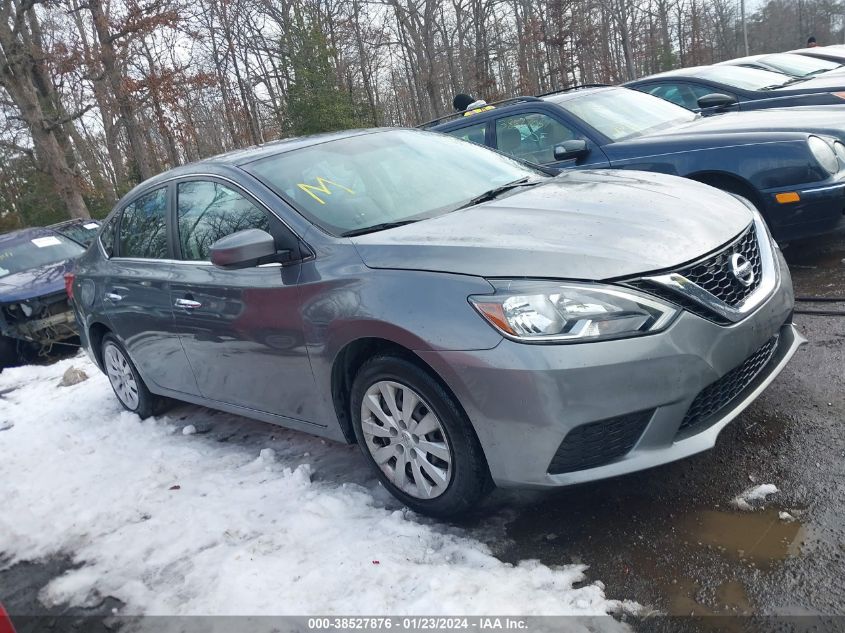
50, 320
523, 400
820, 210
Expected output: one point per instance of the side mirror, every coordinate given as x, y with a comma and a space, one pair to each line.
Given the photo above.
571, 149
243, 249
716, 100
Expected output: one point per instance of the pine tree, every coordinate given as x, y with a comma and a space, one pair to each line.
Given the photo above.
315, 101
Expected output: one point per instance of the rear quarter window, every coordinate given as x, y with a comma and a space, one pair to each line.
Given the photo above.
107, 236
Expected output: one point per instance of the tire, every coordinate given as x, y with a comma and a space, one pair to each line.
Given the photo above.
126, 382
454, 477
9, 356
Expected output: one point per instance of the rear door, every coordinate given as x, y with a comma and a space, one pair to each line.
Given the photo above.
241, 329
136, 294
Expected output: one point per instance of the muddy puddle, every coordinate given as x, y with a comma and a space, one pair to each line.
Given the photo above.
760, 539
700, 560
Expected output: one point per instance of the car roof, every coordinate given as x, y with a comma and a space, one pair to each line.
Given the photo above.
744, 60
236, 158
575, 94
832, 51
256, 152
22, 235
690, 71
515, 104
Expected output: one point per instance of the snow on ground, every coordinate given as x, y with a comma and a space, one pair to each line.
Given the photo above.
233, 517
754, 497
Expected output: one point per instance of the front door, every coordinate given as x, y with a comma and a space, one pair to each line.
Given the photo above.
241, 329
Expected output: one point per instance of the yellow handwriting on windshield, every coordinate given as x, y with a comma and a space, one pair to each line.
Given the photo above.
322, 187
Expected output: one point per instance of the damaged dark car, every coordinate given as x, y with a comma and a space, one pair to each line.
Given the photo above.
34, 311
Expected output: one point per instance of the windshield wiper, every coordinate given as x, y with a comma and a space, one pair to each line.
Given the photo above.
794, 80
495, 192
376, 227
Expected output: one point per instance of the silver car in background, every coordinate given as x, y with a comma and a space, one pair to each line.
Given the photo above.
466, 318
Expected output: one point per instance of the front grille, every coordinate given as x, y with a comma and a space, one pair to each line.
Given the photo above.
717, 395
597, 443
716, 277
687, 303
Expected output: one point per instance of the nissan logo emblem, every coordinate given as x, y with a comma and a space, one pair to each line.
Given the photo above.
742, 269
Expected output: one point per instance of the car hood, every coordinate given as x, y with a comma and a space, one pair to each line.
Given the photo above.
828, 120
34, 282
588, 225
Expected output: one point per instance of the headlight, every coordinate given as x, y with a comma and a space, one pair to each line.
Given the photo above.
839, 148
823, 153
543, 311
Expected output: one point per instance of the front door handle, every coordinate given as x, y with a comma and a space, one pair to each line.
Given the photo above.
188, 304
113, 296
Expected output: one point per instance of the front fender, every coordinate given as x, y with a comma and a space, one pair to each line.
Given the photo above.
345, 301
762, 164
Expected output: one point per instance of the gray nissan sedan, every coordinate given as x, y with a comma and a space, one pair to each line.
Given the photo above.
466, 318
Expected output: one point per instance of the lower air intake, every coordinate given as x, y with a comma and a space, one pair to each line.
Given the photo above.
598, 443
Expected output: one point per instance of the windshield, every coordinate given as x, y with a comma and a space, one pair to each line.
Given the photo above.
798, 65
36, 252
622, 114
744, 78
385, 177
82, 233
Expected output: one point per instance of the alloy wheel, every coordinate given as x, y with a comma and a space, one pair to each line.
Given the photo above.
406, 439
121, 377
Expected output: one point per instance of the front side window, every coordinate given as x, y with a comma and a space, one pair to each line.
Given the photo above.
682, 94
357, 182
532, 137
207, 211
143, 226
679, 94
473, 133
622, 114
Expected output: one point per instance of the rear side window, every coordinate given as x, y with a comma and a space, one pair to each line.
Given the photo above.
107, 236
531, 137
208, 211
143, 226
473, 133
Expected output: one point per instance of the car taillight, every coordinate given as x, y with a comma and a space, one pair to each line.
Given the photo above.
69, 278
5, 622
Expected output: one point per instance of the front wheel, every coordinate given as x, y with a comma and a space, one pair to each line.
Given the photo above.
417, 437
126, 382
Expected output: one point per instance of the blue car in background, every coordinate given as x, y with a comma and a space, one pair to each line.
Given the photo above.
789, 163
34, 310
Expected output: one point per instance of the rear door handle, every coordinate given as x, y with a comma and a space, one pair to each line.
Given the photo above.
188, 304
113, 296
